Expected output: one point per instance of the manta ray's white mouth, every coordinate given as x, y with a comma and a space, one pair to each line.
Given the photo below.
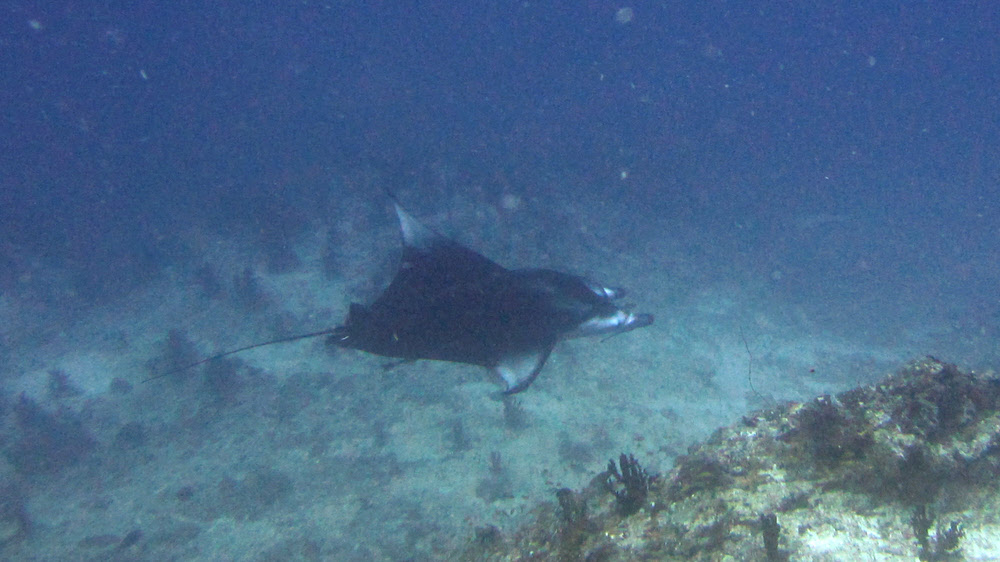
615, 323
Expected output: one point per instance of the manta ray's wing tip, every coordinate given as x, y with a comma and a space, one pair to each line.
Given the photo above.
415, 234
520, 369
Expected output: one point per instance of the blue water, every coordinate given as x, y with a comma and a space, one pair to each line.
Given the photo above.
822, 182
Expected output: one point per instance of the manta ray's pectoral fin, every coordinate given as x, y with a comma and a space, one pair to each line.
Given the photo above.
519, 369
415, 234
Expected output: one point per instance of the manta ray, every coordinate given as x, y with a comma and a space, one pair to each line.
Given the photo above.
450, 303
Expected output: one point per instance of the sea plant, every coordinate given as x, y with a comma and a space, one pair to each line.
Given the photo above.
630, 484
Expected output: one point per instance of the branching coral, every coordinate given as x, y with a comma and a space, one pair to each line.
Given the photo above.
944, 546
630, 485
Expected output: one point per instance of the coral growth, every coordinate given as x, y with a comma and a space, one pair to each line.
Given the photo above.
48, 442
514, 417
575, 454
177, 351
132, 435
827, 431
630, 485
247, 292
496, 485
458, 437
573, 534
771, 532
60, 386
944, 545
833, 469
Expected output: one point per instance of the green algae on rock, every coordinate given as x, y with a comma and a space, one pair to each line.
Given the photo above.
840, 476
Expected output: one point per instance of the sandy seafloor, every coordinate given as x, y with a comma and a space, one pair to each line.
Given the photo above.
307, 453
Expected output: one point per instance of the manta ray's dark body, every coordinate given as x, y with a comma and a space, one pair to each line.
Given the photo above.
450, 303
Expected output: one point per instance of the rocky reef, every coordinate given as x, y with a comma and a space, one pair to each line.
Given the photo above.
904, 469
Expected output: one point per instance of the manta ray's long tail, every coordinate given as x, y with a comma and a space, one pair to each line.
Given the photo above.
326, 332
